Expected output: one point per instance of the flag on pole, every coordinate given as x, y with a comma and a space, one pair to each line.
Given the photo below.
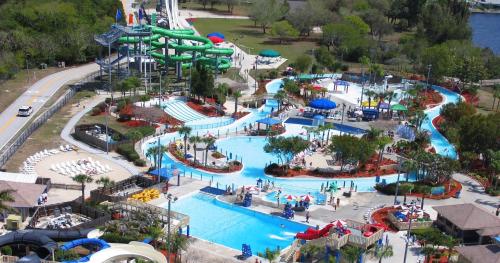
140, 15
118, 15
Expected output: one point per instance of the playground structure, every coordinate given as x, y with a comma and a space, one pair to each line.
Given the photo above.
159, 39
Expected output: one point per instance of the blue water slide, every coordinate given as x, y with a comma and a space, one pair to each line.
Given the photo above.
84, 241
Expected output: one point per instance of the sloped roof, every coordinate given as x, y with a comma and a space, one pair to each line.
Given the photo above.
482, 253
468, 216
25, 194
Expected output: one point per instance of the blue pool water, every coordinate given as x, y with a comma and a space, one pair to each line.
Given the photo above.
233, 226
438, 141
336, 126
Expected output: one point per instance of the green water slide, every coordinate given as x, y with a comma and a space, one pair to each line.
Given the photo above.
183, 52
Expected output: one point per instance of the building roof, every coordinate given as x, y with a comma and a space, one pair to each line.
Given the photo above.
468, 216
18, 177
25, 195
481, 253
490, 231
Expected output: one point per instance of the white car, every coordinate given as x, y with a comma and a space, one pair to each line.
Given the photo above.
25, 111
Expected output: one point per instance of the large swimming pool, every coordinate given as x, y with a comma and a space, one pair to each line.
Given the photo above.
232, 225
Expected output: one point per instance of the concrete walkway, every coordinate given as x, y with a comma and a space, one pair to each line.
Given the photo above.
113, 157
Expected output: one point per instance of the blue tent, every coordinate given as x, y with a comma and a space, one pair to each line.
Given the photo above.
322, 104
163, 172
216, 34
269, 121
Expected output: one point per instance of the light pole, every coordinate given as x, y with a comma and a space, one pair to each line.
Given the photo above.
397, 182
429, 67
409, 230
343, 109
170, 198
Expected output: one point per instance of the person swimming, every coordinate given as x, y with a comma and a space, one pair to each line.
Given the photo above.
282, 226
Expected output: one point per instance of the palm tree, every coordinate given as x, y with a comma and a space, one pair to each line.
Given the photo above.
365, 62
185, 131
134, 135
370, 94
383, 252
372, 134
195, 140
280, 96
83, 179
209, 142
351, 253
381, 98
270, 255
105, 182
328, 126
450, 243
157, 153
311, 250
178, 243
428, 251
155, 233
418, 118
381, 143
236, 95
6, 196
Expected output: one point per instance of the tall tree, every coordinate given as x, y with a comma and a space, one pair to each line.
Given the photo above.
83, 180
184, 131
283, 30
6, 196
266, 12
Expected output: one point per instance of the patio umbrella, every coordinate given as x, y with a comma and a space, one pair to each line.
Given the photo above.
373, 103
290, 197
216, 34
307, 198
398, 107
323, 104
269, 53
216, 39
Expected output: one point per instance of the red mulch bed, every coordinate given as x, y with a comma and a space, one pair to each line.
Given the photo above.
233, 168
470, 98
139, 123
437, 122
240, 114
455, 187
209, 111
380, 217
171, 121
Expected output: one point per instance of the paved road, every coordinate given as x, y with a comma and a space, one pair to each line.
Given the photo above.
36, 96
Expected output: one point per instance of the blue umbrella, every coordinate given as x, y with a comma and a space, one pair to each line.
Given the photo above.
322, 104
216, 34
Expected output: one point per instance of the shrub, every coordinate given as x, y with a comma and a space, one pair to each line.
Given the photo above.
124, 117
128, 151
118, 238
297, 168
95, 111
6, 250
116, 137
140, 162
102, 106
69, 255
273, 74
107, 100
344, 67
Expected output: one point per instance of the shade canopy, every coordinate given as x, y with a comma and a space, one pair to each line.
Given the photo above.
399, 107
269, 121
383, 105
163, 173
216, 34
322, 104
341, 83
270, 53
216, 39
373, 103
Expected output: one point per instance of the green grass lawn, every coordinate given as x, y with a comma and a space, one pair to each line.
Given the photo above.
243, 33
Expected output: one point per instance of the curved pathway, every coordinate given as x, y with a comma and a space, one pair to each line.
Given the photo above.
113, 157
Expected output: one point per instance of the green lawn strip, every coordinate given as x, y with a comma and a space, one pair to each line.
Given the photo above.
243, 33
